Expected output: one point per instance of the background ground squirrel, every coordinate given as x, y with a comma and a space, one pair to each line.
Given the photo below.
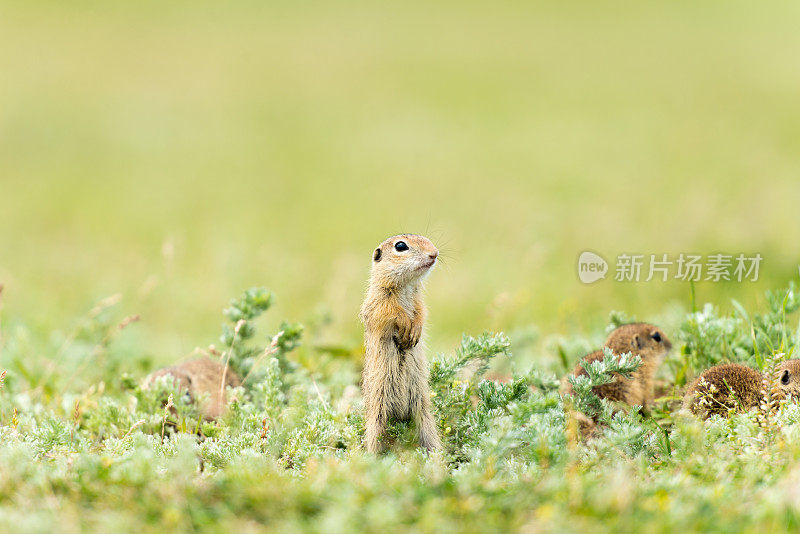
645, 340
202, 380
395, 378
733, 387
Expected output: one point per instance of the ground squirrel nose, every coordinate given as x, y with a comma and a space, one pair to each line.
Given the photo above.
434, 255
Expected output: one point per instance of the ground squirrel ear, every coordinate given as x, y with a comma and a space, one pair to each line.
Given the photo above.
376, 256
636, 343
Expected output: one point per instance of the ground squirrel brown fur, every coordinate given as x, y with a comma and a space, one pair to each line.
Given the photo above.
202, 380
395, 377
645, 340
733, 387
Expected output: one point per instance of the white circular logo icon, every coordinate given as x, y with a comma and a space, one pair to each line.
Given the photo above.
591, 267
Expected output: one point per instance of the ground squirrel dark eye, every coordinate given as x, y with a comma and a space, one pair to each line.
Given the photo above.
657, 337
785, 377
400, 246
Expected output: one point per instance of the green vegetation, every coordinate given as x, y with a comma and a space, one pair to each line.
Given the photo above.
110, 456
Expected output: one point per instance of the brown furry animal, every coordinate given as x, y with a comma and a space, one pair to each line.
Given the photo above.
733, 387
645, 340
202, 378
395, 378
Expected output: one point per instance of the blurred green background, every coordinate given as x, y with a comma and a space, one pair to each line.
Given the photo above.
179, 152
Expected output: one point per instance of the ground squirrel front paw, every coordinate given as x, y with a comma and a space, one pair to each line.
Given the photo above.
408, 334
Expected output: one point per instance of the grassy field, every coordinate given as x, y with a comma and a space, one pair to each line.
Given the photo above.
157, 159
287, 456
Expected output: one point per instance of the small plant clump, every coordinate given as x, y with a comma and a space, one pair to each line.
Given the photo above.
97, 451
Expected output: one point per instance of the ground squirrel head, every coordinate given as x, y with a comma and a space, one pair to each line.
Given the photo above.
787, 380
402, 259
643, 339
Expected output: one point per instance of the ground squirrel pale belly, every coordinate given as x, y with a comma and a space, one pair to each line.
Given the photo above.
642, 339
395, 377
201, 379
733, 387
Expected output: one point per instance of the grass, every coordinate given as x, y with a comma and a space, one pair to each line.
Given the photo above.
98, 451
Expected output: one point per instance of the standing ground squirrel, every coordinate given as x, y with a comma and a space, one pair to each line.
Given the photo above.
645, 340
395, 378
733, 387
201, 377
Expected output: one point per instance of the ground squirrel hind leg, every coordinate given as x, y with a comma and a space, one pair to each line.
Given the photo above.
426, 426
376, 424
